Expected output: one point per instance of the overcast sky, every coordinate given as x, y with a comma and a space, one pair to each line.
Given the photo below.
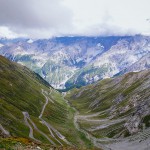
47, 18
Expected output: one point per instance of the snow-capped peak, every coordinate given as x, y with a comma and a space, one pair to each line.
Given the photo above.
30, 41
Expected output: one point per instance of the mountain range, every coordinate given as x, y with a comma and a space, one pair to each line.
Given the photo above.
67, 62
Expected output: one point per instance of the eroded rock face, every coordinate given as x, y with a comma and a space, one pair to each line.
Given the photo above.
135, 122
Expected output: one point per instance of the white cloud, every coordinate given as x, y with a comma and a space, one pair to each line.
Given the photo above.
35, 17
110, 16
46, 18
5, 32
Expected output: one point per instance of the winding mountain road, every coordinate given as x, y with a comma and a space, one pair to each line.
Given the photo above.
41, 114
27, 123
4, 131
26, 116
51, 129
94, 140
88, 136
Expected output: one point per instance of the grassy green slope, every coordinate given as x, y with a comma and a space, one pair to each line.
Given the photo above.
20, 91
116, 107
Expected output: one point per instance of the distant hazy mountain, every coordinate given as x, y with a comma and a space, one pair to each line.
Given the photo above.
68, 61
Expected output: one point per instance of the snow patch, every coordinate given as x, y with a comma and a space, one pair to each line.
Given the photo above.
30, 41
1, 45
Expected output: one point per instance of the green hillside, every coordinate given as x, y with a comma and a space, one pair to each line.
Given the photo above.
115, 108
30, 109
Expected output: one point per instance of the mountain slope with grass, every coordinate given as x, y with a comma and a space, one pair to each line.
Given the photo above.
115, 112
32, 111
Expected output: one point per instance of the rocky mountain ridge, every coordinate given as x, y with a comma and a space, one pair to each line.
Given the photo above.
68, 61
